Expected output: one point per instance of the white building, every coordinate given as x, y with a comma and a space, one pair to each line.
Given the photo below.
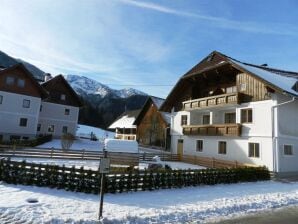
124, 125
28, 108
60, 111
229, 110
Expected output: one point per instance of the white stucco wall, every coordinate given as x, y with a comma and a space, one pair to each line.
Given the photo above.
11, 110
259, 131
286, 133
54, 114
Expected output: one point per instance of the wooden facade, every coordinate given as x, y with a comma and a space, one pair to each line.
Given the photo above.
152, 127
61, 92
21, 82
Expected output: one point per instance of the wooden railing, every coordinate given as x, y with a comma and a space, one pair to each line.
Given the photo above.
212, 101
211, 162
119, 158
213, 130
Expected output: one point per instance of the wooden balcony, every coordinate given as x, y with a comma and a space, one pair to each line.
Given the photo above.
213, 130
212, 101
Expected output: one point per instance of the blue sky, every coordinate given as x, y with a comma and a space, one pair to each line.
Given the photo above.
146, 45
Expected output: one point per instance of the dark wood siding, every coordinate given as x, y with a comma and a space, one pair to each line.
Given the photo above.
255, 90
29, 89
151, 129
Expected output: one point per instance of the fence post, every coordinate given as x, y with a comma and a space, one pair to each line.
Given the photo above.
213, 162
14, 149
144, 156
83, 154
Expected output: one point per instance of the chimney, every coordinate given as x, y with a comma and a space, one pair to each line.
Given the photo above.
47, 77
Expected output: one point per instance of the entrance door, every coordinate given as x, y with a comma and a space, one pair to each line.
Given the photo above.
180, 148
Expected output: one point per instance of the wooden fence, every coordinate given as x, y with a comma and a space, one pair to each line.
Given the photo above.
81, 180
120, 158
211, 162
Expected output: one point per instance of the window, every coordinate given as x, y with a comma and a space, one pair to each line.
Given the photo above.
38, 127
232, 89
199, 146
26, 103
183, 119
230, 118
62, 97
1, 138
242, 86
66, 112
254, 150
288, 150
64, 129
25, 138
1, 99
9, 80
40, 108
246, 116
51, 128
206, 119
222, 147
21, 83
23, 122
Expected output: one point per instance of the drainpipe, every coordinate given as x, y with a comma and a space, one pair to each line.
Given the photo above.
274, 135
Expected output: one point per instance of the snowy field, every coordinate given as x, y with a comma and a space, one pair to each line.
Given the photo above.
87, 164
85, 131
188, 205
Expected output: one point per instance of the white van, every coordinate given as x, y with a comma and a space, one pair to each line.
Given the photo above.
117, 145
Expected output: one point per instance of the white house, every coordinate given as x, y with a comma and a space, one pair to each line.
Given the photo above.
20, 100
60, 111
28, 108
226, 109
124, 125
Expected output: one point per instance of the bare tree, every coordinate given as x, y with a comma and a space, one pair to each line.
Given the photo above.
67, 141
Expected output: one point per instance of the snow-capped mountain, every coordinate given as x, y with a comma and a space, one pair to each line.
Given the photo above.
85, 86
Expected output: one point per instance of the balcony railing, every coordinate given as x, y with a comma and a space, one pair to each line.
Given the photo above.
213, 130
212, 101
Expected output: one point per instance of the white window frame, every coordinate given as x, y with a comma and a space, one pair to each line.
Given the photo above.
67, 113
292, 149
24, 104
23, 118
260, 154
197, 145
51, 128
219, 148
63, 129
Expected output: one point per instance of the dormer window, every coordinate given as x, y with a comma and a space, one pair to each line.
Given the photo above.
66, 112
62, 97
9, 80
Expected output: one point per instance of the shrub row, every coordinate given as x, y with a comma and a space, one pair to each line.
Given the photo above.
30, 142
81, 180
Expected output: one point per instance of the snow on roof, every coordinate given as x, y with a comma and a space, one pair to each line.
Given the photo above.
283, 82
167, 117
157, 101
123, 122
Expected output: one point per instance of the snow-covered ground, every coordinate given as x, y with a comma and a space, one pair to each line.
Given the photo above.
87, 164
85, 131
79, 144
188, 205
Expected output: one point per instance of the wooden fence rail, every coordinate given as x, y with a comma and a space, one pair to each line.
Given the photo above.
121, 158
211, 162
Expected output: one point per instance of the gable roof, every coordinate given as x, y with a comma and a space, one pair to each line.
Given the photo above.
280, 80
29, 75
57, 86
125, 120
157, 102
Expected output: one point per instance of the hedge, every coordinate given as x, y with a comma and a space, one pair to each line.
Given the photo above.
30, 142
81, 180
